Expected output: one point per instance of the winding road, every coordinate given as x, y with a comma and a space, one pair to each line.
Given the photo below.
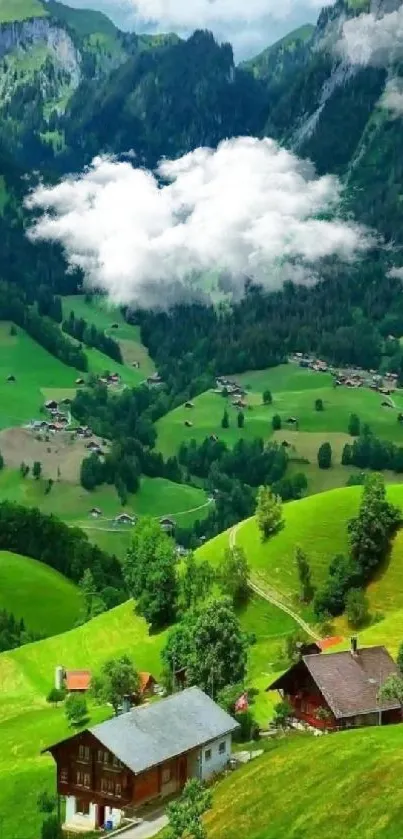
271, 595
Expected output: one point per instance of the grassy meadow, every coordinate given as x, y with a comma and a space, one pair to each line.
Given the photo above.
47, 601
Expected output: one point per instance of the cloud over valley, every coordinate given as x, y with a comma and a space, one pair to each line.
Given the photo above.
249, 208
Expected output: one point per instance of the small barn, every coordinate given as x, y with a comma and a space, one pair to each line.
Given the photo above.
341, 689
77, 681
188, 424
51, 405
79, 381
124, 518
167, 525
11, 378
147, 685
95, 512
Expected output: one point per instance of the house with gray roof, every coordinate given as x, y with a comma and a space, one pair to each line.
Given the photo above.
148, 753
340, 689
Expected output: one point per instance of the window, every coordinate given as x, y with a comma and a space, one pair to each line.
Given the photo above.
222, 748
110, 787
207, 754
100, 756
166, 775
118, 790
81, 752
116, 762
82, 807
87, 780
64, 775
84, 753
103, 785
80, 779
106, 757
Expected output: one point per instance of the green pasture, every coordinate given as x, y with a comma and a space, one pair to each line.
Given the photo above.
34, 369
156, 497
47, 601
294, 390
308, 786
103, 315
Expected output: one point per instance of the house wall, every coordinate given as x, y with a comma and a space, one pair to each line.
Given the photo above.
217, 761
89, 821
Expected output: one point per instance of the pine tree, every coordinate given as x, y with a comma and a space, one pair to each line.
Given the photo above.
304, 575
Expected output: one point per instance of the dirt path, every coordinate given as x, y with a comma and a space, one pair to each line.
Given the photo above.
270, 594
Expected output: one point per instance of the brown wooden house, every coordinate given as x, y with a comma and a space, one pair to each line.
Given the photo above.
145, 754
340, 689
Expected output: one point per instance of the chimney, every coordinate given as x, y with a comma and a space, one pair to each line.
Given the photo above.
354, 646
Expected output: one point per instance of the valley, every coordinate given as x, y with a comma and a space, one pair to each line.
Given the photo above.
201, 421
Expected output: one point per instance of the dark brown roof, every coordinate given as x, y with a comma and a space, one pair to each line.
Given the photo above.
350, 683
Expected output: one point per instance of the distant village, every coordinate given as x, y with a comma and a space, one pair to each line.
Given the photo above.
352, 377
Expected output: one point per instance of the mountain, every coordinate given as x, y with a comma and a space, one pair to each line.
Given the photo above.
47, 52
167, 101
330, 111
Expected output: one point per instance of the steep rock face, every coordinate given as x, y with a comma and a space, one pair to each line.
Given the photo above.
41, 32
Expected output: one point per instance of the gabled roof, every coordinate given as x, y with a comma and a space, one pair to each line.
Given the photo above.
78, 679
151, 734
350, 682
144, 680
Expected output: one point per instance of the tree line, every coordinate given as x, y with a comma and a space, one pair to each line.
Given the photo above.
13, 632
87, 333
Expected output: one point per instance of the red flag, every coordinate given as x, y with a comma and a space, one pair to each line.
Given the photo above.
242, 703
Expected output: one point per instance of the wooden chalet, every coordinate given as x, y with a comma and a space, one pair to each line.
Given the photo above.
146, 754
77, 681
340, 689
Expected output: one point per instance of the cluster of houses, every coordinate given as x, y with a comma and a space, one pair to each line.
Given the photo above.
353, 377
231, 388
58, 419
110, 379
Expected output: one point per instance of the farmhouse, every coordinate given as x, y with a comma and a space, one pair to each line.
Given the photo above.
146, 754
147, 685
95, 512
168, 525
340, 690
77, 681
124, 518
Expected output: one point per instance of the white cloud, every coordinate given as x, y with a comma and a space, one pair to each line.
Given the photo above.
397, 273
249, 208
368, 39
392, 98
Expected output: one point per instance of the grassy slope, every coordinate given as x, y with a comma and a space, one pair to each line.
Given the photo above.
156, 497
27, 724
44, 598
34, 369
14, 10
319, 525
294, 393
103, 316
305, 787
83, 21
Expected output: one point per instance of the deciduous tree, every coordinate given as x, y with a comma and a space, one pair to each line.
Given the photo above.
76, 710
150, 572
118, 678
269, 513
185, 815
325, 456
304, 575
234, 574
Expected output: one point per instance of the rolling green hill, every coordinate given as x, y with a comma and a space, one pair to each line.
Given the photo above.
47, 601
319, 525
27, 723
315, 787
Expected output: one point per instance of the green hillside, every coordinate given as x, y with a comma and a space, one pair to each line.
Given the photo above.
103, 316
294, 392
84, 22
319, 525
46, 601
315, 787
276, 59
35, 371
27, 723
14, 10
